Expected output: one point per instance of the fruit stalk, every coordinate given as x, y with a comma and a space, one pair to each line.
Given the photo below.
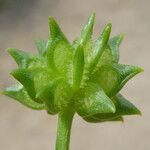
63, 130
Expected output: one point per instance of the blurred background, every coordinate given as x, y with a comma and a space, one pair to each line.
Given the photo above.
23, 21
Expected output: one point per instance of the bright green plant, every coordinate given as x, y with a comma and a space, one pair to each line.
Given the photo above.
82, 77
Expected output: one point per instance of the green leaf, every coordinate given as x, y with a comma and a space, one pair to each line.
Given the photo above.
88, 51
37, 62
92, 100
19, 94
91, 119
87, 31
56, 36
63, 96
94, 52
111, 52
120, 118
41, 46
113, 77
126, 72
55, 31
123, 107
81, 49
56, 95
21, 57
78, 66
50, 55
114, 44
26, 78
59, 52
100, 46
63, 56
42, 78
47, 94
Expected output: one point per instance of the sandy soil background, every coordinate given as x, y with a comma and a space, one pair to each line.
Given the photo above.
24, 21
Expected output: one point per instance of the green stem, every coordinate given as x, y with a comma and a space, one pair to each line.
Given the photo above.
63, 130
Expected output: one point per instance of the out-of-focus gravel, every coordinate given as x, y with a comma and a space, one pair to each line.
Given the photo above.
20, 24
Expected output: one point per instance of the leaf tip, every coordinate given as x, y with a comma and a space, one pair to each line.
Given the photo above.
113, 109
140, 69
12, 73
9, 50
15, 73
3, 92
137, 112
108, 27
51, 21
121, 119
92, 17
54, 28
120, 38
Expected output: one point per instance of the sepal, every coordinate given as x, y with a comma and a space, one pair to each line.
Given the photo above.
100, 46
41, 46
78, 67
55, 31
113, 77
120, 118
47, 95
26, 78
21, 57
114, 44
87, 31
126, 72
92, 100
111, 52
63, 96
59, 51
95, 120
18, 93
123, 107
42, 78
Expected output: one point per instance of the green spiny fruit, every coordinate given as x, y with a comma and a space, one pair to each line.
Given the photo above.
83, 76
